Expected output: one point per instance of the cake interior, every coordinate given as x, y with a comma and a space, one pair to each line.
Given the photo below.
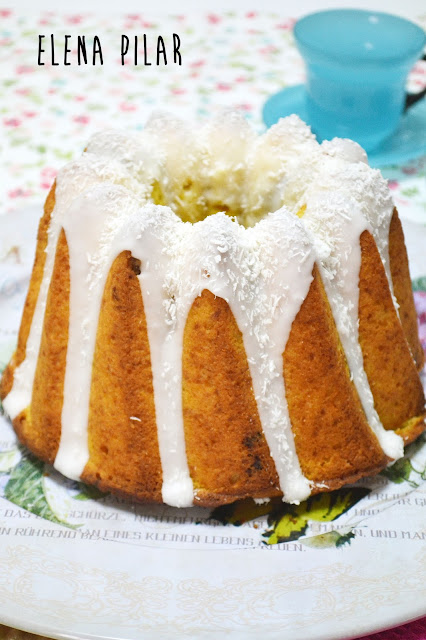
227, 168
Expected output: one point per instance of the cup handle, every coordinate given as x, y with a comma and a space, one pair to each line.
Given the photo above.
412, 98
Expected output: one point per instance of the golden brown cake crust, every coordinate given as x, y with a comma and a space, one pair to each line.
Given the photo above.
48, 389
226, 449
123, 445
402, 288
333, 439
390, 368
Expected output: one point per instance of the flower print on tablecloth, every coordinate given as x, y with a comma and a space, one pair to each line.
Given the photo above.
49, 112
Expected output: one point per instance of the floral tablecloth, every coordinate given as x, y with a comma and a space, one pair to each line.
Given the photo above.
238, 59
49, 112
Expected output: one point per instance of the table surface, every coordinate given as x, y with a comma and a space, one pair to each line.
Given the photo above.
233, 55
409, 8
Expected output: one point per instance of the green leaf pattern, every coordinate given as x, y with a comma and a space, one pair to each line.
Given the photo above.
25, 488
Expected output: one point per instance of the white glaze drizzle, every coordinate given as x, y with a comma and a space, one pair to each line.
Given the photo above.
113, 222
219, 255
336, 219
249, 268
366, 187
336, 223
89, 225
72, 180
263, 284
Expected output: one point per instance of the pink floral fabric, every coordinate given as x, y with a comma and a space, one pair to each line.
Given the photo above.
420, 300
412, 631
229, 59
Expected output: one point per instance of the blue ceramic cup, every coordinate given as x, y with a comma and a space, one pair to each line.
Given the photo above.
357, 64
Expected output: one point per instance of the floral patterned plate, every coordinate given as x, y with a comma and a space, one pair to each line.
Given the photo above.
75, 563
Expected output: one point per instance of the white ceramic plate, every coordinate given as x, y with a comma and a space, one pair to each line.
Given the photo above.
134, 573
112, 590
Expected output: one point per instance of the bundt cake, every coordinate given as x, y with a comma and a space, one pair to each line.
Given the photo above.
215, 314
